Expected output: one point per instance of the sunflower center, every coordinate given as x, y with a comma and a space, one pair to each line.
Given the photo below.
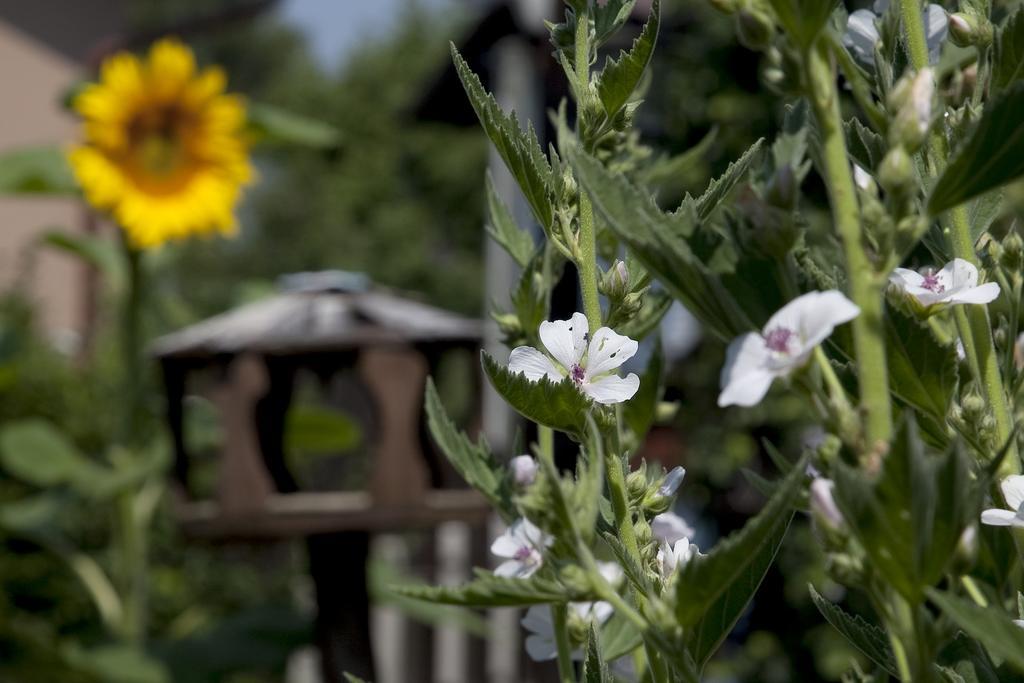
160, 155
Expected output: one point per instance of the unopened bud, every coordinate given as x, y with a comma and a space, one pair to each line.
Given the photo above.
615, 282
863, 180
896, 174
823, 504
972, 407
966, 550
524, 470
782, 189
911, 100
1013, 252
968, 29
636, 484
754, 27
671, 482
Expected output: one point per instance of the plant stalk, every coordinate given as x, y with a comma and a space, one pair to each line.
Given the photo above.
560, 619
586, 263
973, 323
865, 290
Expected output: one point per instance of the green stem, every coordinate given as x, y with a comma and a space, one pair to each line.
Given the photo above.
865, 290
586, 262
131, 348
134, 571
560, 619
976, 334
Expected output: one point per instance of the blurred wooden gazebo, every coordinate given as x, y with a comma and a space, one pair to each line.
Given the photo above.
326, 323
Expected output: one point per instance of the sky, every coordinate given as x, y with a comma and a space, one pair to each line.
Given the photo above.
335, 27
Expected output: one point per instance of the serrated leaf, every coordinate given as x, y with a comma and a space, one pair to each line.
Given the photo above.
923, 372
609, 17
865, 145
910, 516
1008, 53
520, 150
665, 172
36, 170
720, 618
619, 78
559, 405
270, 124
992, 627
594, 668
991, 157
705, 579
502, 227
619, 637
965, 658
473, 461
871, 640
488, 590
720, 187
656, 239
803, 20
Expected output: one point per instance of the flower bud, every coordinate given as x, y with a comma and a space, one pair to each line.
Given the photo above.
823, 505
863, 180
1013, 252
966, 550
754, 27
969, 29
636, 484
524, 470
615, 281
911, 100
671, 482
782, 188
896, 174
973, 408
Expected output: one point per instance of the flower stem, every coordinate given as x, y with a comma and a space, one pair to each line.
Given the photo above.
973, 323
865, 290
586, 263
560, 619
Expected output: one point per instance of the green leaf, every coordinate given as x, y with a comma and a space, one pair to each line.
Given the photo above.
665, 173
619, 637
594, 668
910, 516
655, 305
473, 461
991, 626
619, 78
866, 146
720, 618
118, 664
32, 513
966, 659
349, 678
707, 578
586, 493
923, 372
657, 240
871, 640
99, 252
991, 157
36, 170
36, 452
720, 187
520, 150
559, 405
609, 17
487, 590
274, 125
319, 430
1008, 53
803, 20
502, 227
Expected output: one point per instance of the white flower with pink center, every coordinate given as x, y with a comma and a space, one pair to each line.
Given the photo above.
523, 546
590, 362
672, 556
755, 359
956, 283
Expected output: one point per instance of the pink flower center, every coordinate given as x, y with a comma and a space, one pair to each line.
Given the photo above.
932, 284
523, 553
778, 339
577, 373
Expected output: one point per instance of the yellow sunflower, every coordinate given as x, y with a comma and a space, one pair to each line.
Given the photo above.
164, 150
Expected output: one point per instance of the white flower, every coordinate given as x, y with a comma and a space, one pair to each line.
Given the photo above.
671, 557
669, 527
540, 643
823, 504
862, 178
956, 283
524, 470
1013, 493
861, 34
591, 366
671, 482
754, 360
523, 544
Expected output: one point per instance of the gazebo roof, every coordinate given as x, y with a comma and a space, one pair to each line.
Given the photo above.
315, 313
